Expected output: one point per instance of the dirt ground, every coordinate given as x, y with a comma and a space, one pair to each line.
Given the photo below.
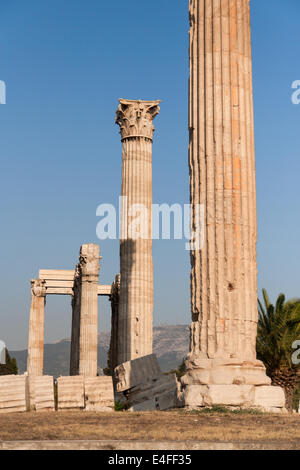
171, 426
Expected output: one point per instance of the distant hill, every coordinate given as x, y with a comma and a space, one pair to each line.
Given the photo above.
171, 344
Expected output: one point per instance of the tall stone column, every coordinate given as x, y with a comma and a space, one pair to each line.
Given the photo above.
136, 292
88, 322
222, 179
35, 361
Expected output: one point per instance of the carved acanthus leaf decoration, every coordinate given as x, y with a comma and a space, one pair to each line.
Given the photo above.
135, 118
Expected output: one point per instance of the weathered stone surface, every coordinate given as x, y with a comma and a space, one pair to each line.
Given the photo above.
70, 392
99, 394
43, 393
14, 393
135, 313
269, 397
133, 373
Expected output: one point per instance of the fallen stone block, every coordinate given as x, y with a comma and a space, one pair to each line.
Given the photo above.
99, 394
132, 373
14, 393
70, 392
156, 394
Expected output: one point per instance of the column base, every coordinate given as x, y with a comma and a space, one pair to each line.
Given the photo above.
229, 383
224, 371
265, 398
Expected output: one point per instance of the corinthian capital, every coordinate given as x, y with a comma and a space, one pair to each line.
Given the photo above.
38, 288
135, 118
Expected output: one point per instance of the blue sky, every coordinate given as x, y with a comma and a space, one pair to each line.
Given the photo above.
65, 65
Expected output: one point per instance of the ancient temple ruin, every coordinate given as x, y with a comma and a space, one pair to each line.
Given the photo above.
221, 367
82, 285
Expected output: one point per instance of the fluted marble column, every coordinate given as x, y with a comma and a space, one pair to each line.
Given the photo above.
35, 361
135, 323
222, 179
88, 323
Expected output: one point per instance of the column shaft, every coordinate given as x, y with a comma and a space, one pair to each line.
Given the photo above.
115, 329
135, 320
222, 179
35, 361
88, 329
76, 308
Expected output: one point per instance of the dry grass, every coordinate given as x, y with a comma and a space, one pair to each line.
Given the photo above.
174, 426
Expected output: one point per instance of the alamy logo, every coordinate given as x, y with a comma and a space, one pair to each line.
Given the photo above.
296, 355
161, 221
2, 92
296, 94
2, 352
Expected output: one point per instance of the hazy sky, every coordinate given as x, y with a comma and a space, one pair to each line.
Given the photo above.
65, 65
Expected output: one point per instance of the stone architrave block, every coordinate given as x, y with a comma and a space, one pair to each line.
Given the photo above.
70, 391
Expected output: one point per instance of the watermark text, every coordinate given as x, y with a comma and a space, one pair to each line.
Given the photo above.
2, 92
160, 222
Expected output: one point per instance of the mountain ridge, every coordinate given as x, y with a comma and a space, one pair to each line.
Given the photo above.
170, 344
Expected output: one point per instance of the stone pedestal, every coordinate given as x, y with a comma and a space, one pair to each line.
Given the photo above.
136, 290
35, 361
222, 180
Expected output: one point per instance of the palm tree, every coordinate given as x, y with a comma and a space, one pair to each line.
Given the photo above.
278, 329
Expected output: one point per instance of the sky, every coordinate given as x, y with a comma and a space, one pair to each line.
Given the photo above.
65, 65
